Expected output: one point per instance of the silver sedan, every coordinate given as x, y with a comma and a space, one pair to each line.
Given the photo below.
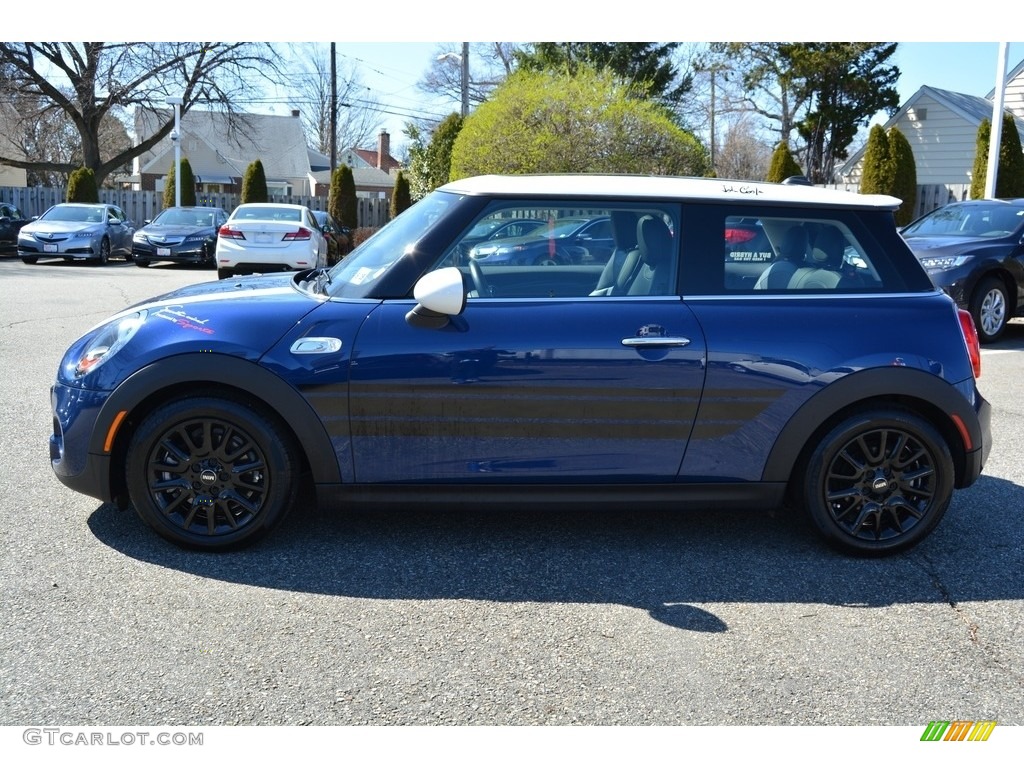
77, 232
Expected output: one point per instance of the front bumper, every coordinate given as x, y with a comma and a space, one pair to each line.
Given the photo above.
186, 253
74, 247
75, 415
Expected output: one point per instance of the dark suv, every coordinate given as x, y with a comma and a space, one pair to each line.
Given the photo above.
663, 374
974, 251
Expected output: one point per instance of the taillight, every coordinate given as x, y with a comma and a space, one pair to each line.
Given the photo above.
971, 340
735, 236
230, 233
301, 234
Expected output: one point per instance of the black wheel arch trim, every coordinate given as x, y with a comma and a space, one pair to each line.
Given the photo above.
895, 386
160, 381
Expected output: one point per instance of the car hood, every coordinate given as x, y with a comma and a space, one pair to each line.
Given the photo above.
242, 317
948, 245
56, 226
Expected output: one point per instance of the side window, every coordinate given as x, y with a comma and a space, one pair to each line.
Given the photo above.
785, 253
532, 249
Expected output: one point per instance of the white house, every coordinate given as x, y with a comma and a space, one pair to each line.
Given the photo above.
942, 129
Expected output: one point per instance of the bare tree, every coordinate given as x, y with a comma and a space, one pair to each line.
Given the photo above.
359, 117
489, 65
88, 82
745, 151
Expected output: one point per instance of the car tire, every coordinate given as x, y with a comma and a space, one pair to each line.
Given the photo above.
141, 262
104, 255
878, 482
212, 474
29, 259
556, 259
225, 273
990, 309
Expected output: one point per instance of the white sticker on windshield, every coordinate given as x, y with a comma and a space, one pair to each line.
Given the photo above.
362, 276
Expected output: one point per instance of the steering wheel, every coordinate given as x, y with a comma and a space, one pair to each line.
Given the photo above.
483, 288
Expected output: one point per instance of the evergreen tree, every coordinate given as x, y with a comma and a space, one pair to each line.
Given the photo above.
188, 185
904, 175
341, 200
1010, 166
1010, 181
876, 169
401, 198
783, 165
980, 170
82, 186
254, 184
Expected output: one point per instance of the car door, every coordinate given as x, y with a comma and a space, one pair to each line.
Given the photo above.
528, 388
119, 230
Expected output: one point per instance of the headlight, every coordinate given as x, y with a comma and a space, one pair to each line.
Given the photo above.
945, 262
106, 342
88, 232
139, 237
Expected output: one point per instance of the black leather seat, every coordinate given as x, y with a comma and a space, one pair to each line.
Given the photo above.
654, 242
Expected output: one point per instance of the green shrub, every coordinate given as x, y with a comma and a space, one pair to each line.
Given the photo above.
254, 184
782, 165
401, 197
341, 201
82, 186
188, 185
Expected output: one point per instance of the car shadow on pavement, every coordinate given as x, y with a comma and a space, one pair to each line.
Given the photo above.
675, 565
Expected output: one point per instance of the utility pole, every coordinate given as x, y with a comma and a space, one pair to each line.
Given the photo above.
334, 110
996, 136
465, 80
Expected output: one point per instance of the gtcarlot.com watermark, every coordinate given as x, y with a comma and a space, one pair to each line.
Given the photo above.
81, 737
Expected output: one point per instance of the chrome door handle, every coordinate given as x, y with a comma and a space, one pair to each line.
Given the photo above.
655, 341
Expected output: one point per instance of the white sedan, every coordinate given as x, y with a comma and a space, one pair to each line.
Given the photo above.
269, 237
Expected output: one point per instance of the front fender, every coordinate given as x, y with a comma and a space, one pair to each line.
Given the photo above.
162, 380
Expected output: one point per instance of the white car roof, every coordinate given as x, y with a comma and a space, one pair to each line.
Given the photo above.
678, 187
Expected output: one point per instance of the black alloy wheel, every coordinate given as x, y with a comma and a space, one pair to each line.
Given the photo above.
104, 256
878, 482
210, 473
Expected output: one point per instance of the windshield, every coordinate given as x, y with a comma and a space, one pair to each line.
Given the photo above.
358, 273
87, 213
996, 220
173, 217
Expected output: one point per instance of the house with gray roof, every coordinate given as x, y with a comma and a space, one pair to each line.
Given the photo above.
220, 149
942, 128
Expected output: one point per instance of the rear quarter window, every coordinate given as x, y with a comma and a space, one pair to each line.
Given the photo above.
769, 250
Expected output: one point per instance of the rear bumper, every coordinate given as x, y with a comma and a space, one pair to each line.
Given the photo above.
974, 460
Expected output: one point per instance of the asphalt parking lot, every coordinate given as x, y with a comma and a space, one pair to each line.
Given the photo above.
471, 618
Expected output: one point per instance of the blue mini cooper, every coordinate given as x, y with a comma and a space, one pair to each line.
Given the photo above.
686, 367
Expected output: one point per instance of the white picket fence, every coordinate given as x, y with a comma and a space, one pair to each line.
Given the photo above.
143, 206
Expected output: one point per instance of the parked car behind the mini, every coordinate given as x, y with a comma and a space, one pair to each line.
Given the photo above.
569, 240
184, 235
338, 237
269, 237
496, 228
77, 232
974, 251
11, 222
